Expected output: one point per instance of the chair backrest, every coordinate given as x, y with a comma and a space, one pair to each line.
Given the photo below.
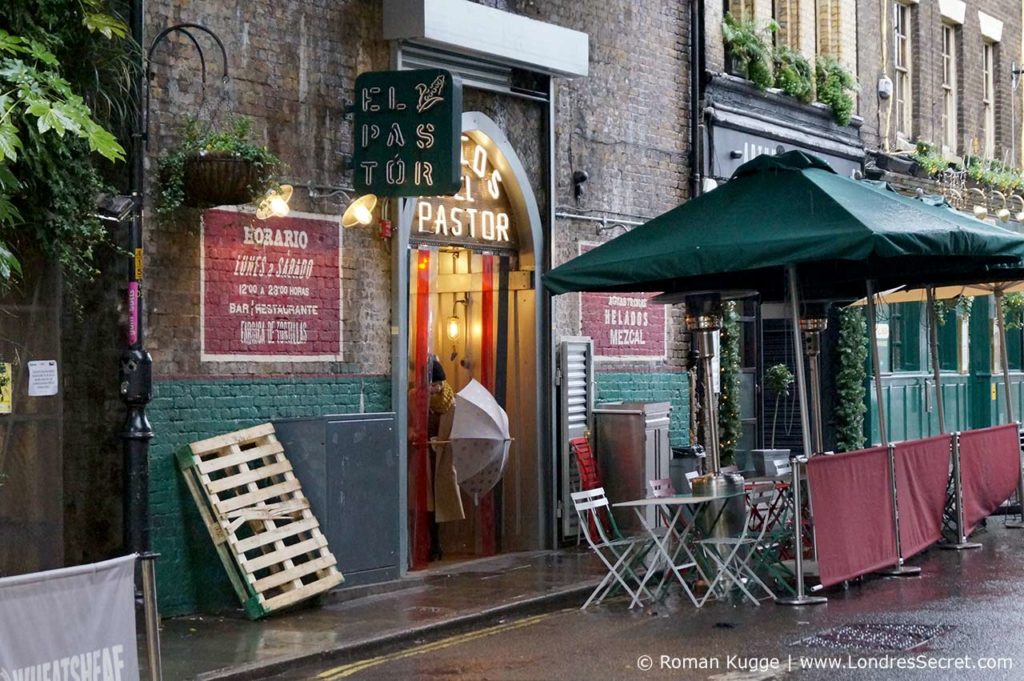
591, 505
590, 477
662, 487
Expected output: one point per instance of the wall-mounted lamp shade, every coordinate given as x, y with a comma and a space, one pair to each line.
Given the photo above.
275, 203
1003, 214
360, 211
453, 328
980, 212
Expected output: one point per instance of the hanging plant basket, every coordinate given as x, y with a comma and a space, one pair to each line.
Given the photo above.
219, 178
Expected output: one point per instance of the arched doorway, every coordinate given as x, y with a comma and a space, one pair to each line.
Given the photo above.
473, 306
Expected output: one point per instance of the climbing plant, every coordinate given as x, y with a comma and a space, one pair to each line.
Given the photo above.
60, 82
852, 353
729, 424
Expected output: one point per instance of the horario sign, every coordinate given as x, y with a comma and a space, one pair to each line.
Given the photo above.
271, 289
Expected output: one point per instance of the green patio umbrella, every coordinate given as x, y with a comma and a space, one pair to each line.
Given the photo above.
786, 218
793, 209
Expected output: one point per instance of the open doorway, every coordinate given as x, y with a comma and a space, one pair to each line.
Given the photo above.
471, 317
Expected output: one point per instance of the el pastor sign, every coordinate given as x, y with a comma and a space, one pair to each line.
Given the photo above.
271, 289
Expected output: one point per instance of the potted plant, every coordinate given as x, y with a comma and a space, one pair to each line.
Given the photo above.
835, 87
749, 50
213, 167
777, 380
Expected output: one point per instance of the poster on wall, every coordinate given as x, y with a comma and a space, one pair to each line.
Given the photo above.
624, 326
270, 289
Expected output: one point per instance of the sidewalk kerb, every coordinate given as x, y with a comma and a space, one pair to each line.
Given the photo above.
365, 646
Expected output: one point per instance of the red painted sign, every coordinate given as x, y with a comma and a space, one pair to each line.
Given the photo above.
623, 325
271, 289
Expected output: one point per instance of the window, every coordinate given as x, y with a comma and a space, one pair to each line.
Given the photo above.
787, 15
901, 62
988, 110
741, 9
950, 105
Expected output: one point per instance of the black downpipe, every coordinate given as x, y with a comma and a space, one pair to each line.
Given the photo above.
696, 83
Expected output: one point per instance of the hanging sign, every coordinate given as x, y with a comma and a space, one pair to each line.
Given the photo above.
623, 325
407, 126
271, 289
480, 214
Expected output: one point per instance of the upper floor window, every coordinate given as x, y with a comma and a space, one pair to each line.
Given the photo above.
950, 105
741, 9
988, 111
787, 15
901, 63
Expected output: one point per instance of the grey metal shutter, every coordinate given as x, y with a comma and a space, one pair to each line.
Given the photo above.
575, 414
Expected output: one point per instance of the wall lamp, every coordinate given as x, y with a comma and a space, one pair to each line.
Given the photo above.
1019, 215
980, 208
453, 327
1002, 213
274, 203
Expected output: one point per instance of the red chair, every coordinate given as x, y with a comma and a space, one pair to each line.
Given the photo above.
590, 478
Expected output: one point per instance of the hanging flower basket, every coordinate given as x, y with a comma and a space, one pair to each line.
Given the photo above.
218, 178
212, 167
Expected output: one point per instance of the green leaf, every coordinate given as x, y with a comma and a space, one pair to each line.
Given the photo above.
104, 24
9, 143
39, 52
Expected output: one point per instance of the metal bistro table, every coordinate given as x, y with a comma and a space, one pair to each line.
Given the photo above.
670, 543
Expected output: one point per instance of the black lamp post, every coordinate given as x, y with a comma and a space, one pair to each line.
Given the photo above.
135, 376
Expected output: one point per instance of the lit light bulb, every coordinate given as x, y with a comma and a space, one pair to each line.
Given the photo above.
362, 214
454, 328
278, 206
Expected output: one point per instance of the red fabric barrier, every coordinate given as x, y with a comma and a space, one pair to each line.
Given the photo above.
989, 468
922, 472
851, 500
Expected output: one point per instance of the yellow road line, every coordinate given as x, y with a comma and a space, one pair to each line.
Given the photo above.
347, 670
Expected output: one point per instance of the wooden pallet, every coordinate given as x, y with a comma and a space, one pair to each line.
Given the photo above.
259, 519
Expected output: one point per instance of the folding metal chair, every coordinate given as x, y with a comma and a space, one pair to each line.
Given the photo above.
732, 556
620, 555
590, 478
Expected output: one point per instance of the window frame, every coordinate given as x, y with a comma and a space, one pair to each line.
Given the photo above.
903, 85
988, 109
950, 95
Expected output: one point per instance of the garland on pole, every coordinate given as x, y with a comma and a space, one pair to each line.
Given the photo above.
850, 391
729, 424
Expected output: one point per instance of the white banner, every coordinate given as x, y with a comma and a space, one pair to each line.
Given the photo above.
74, 624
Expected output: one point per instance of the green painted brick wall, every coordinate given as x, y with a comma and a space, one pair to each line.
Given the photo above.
190, 576
651, 386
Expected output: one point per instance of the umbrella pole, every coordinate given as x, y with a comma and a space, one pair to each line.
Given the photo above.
1008, 401
883, 433
933, 344
898, 570
800, 598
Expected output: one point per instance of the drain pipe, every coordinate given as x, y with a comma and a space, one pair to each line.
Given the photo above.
696, 76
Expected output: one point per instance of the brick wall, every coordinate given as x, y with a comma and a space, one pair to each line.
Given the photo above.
292, 68
926, 33
191, 575
652, 386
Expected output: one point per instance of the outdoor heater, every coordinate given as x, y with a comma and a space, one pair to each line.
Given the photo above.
812, 323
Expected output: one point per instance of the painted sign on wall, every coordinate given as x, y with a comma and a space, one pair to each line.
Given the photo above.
623, 325
271, 289
407, 126
479, 214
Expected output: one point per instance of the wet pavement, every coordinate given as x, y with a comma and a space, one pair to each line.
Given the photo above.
357, 619
517, 617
